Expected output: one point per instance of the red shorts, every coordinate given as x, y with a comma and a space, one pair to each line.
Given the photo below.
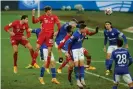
46, 38
17, 41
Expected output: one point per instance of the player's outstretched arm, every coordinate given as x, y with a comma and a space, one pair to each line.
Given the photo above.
35, 20
125, 41
124, 38
92, 33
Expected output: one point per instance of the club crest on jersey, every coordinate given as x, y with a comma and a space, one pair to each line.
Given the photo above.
46, 21
23, 27
17, 27
113, 34
52, 18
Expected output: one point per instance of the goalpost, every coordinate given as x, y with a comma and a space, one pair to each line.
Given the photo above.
38, 8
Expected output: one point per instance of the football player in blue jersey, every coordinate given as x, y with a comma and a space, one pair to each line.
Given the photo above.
63, 34
76, 46
111, 34
123, 60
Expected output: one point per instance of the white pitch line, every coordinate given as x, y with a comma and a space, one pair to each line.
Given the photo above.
99, 76
100, 31
98, 61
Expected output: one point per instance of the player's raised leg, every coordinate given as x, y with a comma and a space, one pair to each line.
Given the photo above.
28, 45
63, 64
35, 54
88, 59
70, 70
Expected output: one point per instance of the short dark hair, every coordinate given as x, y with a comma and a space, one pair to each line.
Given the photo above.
81, 22
46, 8
119, 42
109, 23
69, 27
24, 17
82, 26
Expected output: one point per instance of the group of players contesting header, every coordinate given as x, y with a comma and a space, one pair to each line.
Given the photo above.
70, 43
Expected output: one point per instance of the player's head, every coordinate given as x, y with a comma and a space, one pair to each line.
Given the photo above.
81, 22
73, 24
69, 29
119, 42
108, 25
82, 28
24, 18
48, 10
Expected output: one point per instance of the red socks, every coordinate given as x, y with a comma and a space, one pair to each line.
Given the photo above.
87, 57
15, 55
34, 58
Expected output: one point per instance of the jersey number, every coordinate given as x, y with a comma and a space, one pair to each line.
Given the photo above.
122, 59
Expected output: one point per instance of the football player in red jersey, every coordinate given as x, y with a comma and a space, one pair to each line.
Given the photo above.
17, 37
48, 20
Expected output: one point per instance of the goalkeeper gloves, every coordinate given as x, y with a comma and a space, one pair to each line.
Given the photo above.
97, 28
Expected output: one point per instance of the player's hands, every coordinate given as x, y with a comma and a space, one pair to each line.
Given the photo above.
29, 30
97, 29
55, 33
12, 33
33, 12
24, 38
67, 54
126, 46
104, 49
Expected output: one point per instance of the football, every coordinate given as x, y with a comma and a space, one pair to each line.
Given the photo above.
108, 11
6, 7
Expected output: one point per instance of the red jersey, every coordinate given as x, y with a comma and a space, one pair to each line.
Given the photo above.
48, 22
18, 28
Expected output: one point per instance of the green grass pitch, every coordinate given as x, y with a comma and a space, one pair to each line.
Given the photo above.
28, 78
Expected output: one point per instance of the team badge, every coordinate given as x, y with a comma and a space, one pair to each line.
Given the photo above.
113, 34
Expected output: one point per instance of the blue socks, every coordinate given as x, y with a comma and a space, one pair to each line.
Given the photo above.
107, 64
79, 71
114, 87
53, 72
82, 72
42, 71
76, 70
131, 87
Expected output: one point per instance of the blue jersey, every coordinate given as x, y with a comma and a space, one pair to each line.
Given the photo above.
122, 60
75, 40
62, 33
37, 31
112, 36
